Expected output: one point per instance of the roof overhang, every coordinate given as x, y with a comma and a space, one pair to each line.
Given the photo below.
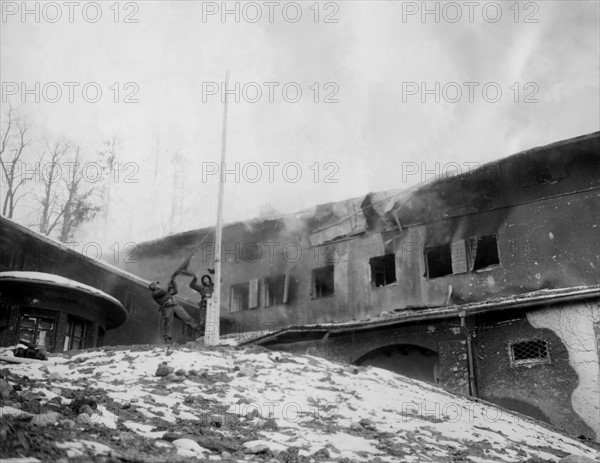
547, 297
53, 292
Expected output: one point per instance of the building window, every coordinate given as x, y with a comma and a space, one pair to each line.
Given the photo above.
239, 297
275, 290
322, 282
37, 330
484, 252
438, 261
76, 334
383, 270
453, 258
529, 352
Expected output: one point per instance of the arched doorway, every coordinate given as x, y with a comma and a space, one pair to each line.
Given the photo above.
406, 359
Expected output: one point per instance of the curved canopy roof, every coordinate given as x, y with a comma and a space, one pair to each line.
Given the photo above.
48, 291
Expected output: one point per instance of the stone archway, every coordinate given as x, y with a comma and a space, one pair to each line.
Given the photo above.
410, 360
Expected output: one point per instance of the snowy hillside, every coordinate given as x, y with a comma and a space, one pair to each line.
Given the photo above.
241, 404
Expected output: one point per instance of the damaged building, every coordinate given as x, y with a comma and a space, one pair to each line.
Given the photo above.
486, 283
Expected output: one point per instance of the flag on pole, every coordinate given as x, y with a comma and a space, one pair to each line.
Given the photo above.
183, 268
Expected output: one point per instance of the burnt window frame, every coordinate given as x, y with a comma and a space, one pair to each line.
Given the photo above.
385, 263
430, 249
530, 361
474, 246
316, 292
461, 256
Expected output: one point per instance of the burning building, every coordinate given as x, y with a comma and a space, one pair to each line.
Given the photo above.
486, 282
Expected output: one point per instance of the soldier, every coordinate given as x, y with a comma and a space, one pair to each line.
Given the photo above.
205, 290
169, 308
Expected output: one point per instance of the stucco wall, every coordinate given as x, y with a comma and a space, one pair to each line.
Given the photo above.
576, 325
543, 389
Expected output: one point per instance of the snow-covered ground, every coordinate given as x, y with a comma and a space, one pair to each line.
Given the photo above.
240, 404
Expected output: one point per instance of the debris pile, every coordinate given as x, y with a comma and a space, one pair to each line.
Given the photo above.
145, 404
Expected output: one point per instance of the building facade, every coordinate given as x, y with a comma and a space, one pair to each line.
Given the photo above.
527, 222
524, 224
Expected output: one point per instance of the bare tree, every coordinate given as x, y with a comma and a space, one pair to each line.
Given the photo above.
52, 197
13, 141
108, 156
81, 204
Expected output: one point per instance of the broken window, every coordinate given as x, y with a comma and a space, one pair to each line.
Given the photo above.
383, 270
239, 297
76, 333
275, 290
484, 252
322, 282
528, 352
438, 261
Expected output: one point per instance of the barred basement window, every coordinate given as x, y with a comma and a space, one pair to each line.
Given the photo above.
529, 352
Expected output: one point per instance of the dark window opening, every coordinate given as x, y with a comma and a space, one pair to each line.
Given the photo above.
239, 297
438, 261
383, 270
535, 351
275, 290
37, 330
486, 252
322, 279
76, 334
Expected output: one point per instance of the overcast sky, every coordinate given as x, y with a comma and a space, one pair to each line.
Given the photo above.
371, 59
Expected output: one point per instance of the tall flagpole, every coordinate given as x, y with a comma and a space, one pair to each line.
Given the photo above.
212, 327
